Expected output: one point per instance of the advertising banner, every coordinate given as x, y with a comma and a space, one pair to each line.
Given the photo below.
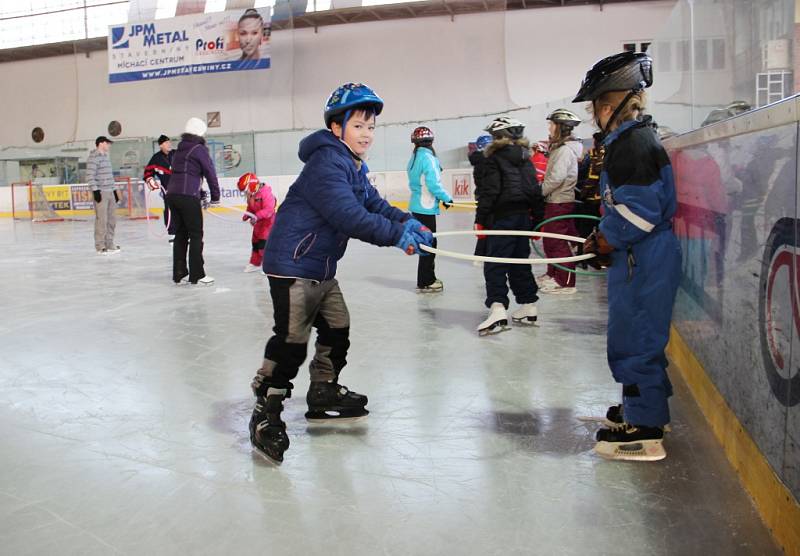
58, 196
189, 45
82, 198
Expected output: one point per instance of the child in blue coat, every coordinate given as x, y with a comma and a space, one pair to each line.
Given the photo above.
425, 182
331, 202
635, 235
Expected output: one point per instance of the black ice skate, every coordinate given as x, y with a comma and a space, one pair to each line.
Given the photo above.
614, 418
333, 402
267, 431
631, 443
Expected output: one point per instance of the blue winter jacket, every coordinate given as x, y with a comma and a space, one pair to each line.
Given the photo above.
331, 201
425, 182
637, 185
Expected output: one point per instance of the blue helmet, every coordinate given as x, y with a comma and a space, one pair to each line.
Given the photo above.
483, 141
350, 96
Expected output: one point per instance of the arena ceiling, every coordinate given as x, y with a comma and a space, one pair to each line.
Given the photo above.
411, 10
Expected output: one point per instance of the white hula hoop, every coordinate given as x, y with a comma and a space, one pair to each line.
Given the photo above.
503, 260
464, 205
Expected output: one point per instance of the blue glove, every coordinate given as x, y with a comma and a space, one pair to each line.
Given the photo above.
423, 237
412, 224
420, 232
409, 242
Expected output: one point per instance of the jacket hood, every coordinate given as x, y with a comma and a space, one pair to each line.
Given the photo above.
191, 138
516, 151
318, 140
575, 145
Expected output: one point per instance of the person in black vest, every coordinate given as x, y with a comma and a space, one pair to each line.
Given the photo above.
157, 172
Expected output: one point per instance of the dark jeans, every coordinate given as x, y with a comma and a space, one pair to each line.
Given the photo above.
426, 267
298, 305
499, 276
187, 221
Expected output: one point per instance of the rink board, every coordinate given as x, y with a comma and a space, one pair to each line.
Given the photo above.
737, 315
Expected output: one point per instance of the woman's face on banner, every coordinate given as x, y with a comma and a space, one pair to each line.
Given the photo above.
251, 31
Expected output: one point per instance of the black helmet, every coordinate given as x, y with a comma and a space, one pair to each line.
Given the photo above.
627, 71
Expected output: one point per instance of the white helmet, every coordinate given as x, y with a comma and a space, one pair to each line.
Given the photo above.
505, 125
196, 126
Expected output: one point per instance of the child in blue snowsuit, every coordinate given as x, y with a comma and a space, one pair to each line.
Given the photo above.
635, 232
331, 201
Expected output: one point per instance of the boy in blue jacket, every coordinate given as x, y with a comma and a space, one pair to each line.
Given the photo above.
331, 201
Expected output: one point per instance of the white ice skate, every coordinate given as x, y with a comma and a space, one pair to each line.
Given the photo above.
552, 287
526, 315
205, 281
252, 268
496, 322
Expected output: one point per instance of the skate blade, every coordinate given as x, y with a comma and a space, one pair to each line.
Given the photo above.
501, 326
333, 418
525, 321
267, 457
641, 450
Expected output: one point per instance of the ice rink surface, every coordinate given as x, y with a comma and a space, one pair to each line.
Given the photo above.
124, 403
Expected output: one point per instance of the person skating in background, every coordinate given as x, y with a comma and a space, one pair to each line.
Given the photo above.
558, 188
261, 208
425, 181
331, 201
587, 191
635, 237
104, 190
478, 161
157, 174
190, 165
508, 192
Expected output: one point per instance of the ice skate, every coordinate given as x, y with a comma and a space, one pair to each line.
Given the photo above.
435, 287
204, 281
330, 402
552, 287
496, 322
526, 314
613, 418
252, 268
631, 443
267, 431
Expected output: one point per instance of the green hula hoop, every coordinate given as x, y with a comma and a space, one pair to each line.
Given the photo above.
565, 217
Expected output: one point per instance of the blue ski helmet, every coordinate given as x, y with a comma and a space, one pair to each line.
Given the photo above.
483, 141
351, 96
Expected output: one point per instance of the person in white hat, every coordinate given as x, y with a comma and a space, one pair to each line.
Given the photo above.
192, 163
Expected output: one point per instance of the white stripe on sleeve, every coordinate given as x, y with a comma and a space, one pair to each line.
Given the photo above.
634, 219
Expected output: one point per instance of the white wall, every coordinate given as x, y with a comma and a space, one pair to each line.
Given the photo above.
426, 69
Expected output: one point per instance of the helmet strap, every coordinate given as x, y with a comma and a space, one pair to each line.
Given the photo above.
618, 110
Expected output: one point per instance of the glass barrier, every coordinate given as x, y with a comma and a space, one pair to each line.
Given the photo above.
715, 59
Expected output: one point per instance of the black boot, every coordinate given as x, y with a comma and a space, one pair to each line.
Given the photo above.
267, 431
331, 401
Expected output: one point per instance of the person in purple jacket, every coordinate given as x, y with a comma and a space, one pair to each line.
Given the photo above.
191, 164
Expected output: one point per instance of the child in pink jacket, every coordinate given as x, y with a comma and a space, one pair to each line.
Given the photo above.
260, 213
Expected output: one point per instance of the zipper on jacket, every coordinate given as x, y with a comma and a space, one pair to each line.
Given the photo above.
298, 254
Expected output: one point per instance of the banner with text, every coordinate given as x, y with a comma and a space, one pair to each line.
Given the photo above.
189, 45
